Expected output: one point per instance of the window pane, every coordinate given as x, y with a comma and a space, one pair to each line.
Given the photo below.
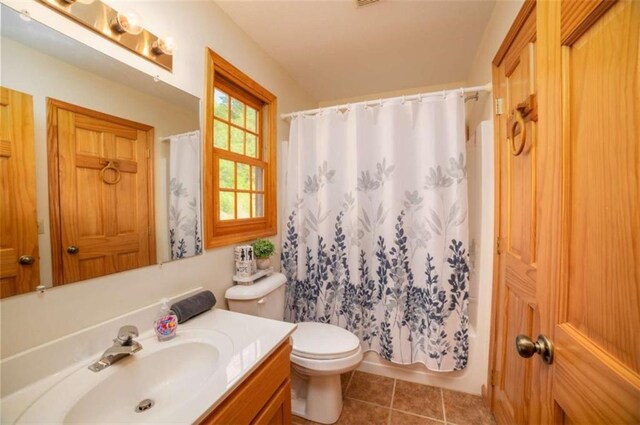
220, 135
227, 206
252, 118
251, 145
237, 112
243, 177
227, 178
258, 205
256, 179
221, 104
244, 210
237, 140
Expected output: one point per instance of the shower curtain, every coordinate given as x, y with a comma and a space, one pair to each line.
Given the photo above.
375, 232
185, 224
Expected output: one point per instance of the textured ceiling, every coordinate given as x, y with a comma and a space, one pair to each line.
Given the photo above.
335, 50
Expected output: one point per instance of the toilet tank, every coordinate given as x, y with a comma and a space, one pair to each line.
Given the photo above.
265, 298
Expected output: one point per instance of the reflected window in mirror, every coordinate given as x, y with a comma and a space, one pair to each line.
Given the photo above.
240, 152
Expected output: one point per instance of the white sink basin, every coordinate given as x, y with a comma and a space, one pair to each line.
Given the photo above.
171, 374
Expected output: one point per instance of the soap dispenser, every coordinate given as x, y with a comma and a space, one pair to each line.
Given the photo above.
166, 323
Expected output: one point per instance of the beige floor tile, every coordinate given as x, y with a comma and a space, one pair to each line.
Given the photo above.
372, 388
344, 381
297, 420
357, 412
466, 409
420, 399
402, 418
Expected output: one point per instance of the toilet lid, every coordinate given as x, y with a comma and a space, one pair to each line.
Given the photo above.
323, 341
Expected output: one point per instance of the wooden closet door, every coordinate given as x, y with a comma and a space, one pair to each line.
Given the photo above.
592, 194
515, 306
105, 213
19, 259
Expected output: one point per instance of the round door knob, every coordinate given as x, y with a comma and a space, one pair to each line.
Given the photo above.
26, 260
527, 347
72, 249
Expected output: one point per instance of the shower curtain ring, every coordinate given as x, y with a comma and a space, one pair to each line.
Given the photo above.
403, 100
461, 92
444, 94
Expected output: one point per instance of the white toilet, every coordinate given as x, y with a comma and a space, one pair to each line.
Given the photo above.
321, 352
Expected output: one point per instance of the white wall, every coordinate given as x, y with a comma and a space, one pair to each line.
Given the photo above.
502, 17
32, 319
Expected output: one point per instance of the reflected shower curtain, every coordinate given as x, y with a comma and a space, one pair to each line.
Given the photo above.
375, 232
185, 224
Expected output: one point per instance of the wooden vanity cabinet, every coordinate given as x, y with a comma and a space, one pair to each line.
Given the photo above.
262, 398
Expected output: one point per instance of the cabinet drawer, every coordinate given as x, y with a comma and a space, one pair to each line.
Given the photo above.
253, 395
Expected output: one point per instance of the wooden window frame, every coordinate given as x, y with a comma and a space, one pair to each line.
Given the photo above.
225, 232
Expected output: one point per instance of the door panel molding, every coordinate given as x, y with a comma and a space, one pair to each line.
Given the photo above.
117, 131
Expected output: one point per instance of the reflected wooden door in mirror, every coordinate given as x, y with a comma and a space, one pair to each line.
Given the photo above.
19, 259
101, 193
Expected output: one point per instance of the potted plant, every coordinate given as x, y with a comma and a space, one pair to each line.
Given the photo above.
262, 250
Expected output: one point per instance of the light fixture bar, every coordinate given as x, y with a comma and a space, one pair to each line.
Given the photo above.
100, 18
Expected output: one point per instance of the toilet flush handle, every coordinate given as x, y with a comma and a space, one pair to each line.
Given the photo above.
262, 301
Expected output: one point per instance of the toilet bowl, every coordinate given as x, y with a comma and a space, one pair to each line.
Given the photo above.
320, 352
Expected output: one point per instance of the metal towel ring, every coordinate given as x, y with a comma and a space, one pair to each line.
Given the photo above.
111, 165
511, 137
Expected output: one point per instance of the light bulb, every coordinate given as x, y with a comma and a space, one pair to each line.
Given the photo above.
127, 21
163, 46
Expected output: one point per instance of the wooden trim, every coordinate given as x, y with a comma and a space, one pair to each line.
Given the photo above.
53, 170
151, 197
576, 17
96, 114
54, 193
493, 338
219, 233
549, 169
518, 23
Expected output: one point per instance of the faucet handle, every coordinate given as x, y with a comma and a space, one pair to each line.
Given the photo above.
126, 334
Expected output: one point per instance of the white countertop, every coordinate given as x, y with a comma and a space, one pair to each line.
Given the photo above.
252, 340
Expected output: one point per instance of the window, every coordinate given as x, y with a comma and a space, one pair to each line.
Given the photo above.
240, 156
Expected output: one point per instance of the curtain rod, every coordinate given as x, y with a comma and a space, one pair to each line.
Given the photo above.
444, 93
168, 138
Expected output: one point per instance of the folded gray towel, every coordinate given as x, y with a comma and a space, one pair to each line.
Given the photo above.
194, 305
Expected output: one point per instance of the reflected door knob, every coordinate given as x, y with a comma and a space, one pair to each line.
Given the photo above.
72, 249
527, 347
26, 260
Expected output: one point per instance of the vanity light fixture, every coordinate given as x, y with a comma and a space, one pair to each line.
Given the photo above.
122, 27
127, 21
79, 1
163, 46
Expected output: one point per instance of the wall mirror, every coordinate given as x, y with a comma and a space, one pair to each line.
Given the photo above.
99, 164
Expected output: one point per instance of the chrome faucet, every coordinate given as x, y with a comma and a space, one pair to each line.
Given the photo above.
123, 346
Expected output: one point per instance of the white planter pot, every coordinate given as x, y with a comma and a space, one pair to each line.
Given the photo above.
263, 263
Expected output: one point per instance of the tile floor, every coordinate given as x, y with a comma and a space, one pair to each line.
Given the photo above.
372, 400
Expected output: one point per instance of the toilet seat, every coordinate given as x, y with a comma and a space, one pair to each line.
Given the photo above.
322, 341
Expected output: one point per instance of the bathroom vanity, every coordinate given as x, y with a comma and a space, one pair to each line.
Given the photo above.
262, 398
222, 367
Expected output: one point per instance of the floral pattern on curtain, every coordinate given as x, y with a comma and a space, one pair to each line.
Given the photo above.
185, 220
375, 233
